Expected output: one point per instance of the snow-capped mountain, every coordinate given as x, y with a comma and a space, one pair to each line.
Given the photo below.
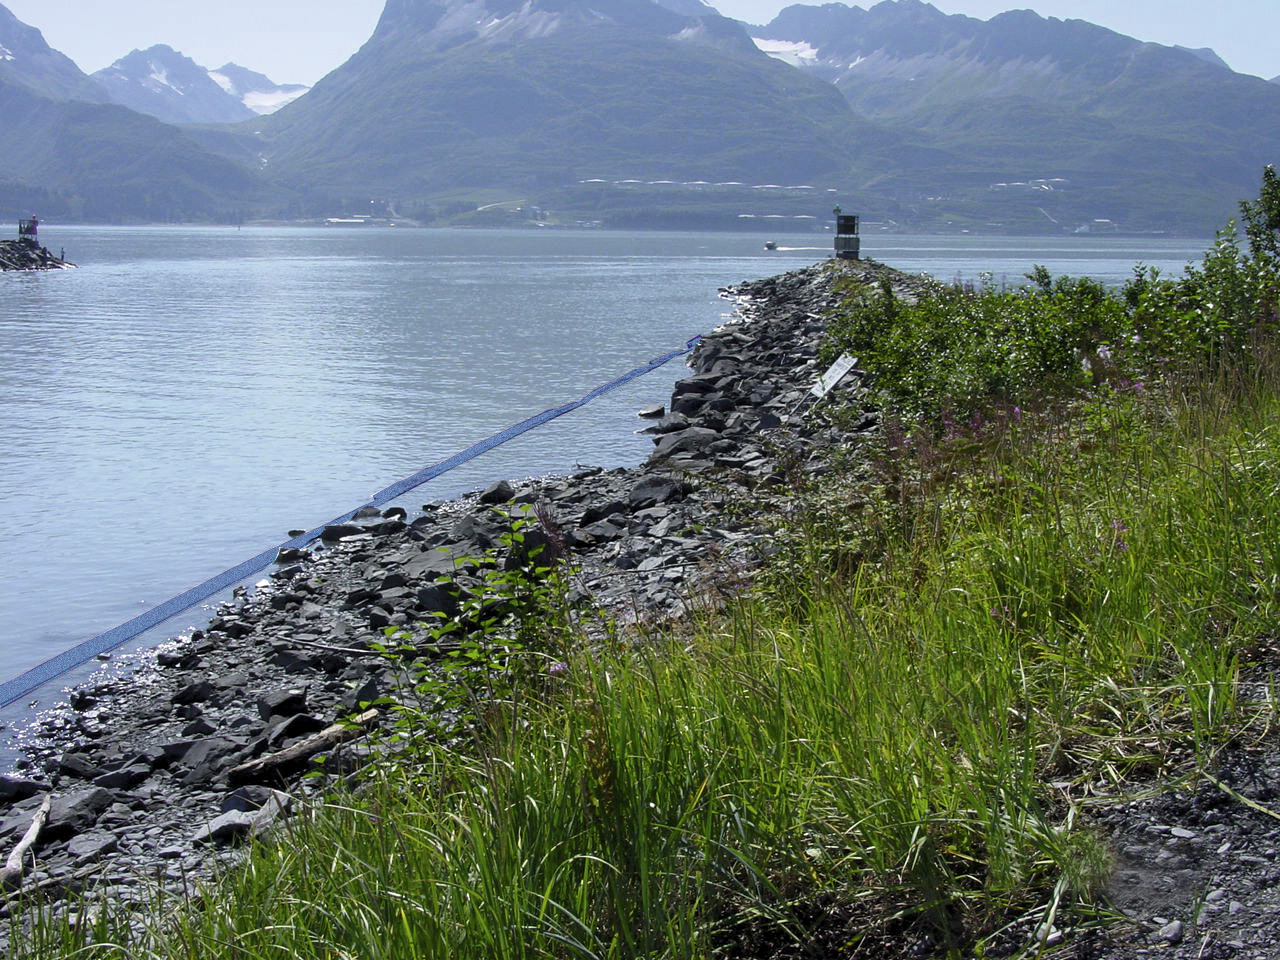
256, 91
26, 59
164, 83
517, 94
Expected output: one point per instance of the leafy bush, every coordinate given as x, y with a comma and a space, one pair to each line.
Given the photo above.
958, 349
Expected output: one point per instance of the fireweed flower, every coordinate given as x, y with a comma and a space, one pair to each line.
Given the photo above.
1119, 527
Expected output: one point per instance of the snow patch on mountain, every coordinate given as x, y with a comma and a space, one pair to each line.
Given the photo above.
159, 81
264, 102
797, 54
254, 90
222, 80
525, 23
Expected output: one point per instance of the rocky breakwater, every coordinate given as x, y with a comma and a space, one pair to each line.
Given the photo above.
142, 775
28, 255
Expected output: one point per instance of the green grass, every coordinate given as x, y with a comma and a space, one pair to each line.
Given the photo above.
904, 733
971, 637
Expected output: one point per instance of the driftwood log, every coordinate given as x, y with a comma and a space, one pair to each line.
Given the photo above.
292, 760
11, 872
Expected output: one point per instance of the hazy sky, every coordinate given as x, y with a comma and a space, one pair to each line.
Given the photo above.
298, 41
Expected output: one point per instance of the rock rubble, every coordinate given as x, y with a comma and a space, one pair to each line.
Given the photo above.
148, 767
28, 255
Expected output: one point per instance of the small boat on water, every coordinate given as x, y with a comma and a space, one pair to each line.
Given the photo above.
771, 244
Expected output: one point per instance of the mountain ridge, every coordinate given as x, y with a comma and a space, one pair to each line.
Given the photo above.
1150, 133
27, 60
170, 86
633, 112
556, 84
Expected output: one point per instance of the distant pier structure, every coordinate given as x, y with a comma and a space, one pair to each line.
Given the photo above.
848, 243
29, 230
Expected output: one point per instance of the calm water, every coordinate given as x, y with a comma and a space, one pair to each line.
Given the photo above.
187, 396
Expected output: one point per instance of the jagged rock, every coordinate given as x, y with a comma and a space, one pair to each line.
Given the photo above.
689, 440
653, 490
92, 846
79, 766
298, 725
231, 826
126, 778
282, 703
197, 692
600, 511
500, 492
341, 531
13, 789
76, 812
483, 532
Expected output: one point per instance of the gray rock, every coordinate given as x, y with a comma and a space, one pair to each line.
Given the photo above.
76, 812
603, 531
227, 828
654, 412
438, 598
500, 492
79, 766
299, 725
126, 778
435, 563
198, 728
478, 531
282, 703
197, 692
248, 798
340, 531
653, 490
600, 511
13, 789
1172, 932
93, 845
691, 440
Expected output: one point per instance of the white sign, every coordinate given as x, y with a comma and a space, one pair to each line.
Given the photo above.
833, 376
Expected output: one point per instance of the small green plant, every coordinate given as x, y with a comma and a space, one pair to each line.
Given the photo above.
508, 626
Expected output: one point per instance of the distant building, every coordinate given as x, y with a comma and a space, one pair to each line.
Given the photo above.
28, 230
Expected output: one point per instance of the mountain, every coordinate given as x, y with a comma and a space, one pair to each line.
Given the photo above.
163, 83
1048, 118
1207, 54
454, 97
257, 92
101, 162
27, 60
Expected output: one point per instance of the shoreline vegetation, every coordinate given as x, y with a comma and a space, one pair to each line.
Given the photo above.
1018, 587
